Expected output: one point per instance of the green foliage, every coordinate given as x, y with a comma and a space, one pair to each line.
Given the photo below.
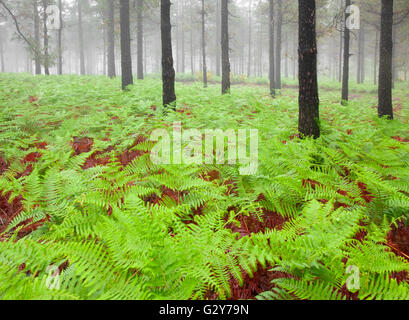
145, 231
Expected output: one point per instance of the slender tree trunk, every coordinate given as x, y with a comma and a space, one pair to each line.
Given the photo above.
192, 64
360, 55
225, 46
126, 58
341, 40
140, 39
307, 59
249, 43
60, 38
279, 38
271, 49
217, 46
345, 74
286, 56
168, 71
37, 57
182, 39
385, 61
363, 69
375, 64
204, 46
111, 39
394, 60
46, 55
81, 38
2, 55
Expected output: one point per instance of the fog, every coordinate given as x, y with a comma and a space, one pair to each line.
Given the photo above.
248, 31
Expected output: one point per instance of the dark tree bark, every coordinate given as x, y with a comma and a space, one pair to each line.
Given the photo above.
60, 38
45, 31
111, 39
271, 49
81, 38
307, 59
225, 46
126, 58
217, 46
37, 57
279, 37
168, 71
385, 61
140, 39
204, 46
345, 73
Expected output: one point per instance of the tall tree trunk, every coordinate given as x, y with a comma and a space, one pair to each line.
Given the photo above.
140, 39
341, 40
182, 39
361, 55
271, 49
375, 60
307, 59
279, 36
168, 71
394, 60
81, 38
46, 55
345, 74
192, 64
249, 44
225, 46
111, 39
385, 61
204, 46
126, 58
217, 46
60, 38
2, 55
37, 57
286, 56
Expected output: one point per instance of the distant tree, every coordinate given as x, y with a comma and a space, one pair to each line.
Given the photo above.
271, 48
168, 71
204, 45
2, 54
345, 72
111, 38
36, 18
217, 45
60, 38
279, 40
249, 42
45, 35
385, 61
81, 38
140, 38
307, 59
126, 58
225, 46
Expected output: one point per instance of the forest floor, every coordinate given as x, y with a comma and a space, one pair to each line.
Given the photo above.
70, 145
